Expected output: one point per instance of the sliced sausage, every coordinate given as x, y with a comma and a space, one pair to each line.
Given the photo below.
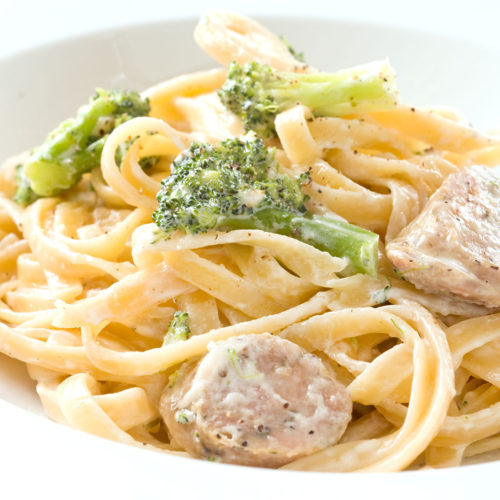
256, 400
453, 246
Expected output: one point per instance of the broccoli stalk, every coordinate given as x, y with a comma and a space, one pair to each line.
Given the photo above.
24, 194
336, 237
75, 146
236, 185
257, 93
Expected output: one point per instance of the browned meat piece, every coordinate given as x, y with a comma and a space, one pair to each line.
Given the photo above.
256, 400
453, 246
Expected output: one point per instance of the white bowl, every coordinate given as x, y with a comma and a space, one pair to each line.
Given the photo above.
41, 87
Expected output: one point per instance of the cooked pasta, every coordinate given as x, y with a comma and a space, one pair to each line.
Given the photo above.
88, 289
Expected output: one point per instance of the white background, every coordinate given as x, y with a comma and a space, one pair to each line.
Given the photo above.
25, 23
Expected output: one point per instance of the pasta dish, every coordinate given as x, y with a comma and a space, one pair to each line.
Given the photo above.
261, 264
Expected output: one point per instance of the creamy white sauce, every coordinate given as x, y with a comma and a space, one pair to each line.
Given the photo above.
251, 197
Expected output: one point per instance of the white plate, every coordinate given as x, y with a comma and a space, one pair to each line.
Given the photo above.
46, 85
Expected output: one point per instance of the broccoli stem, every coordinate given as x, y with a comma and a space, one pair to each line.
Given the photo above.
49, 176
61, 160
336, 237
257, 93
24, 194
358, 90
75, 146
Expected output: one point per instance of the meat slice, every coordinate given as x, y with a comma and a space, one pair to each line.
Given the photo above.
453, 246
256, 400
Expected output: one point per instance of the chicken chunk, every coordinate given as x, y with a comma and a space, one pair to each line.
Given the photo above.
256, 400
453, 246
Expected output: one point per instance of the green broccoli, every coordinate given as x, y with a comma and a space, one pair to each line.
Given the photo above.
295, 53
75, 146
235, 184
24, 194
148, 162
178, 328
257, 93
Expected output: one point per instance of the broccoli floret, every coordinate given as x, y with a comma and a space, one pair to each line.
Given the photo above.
209, 183
236, 184
257, 93
178, 328
75, 146
148, 162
